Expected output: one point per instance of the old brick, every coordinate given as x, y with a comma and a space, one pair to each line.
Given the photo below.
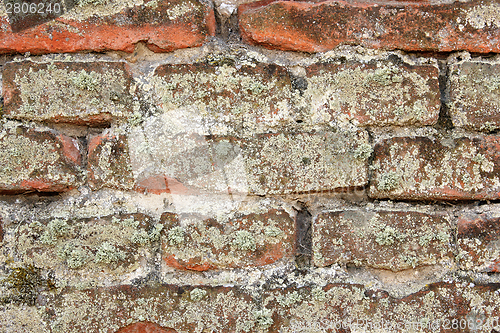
166, 161
251, 240
426, 169
261, 164
302, 162
478, 241
82, 93
109, 162
376, 94
40, 161
224, 99
394, 240
181, 309
352, 308
83, 250
162, 25
145, 328
475, 95
315, 27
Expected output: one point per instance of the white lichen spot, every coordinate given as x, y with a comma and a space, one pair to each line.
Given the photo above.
264, 318
388, 181
108, 253
197, 294
363, 151
244, 241
175, 236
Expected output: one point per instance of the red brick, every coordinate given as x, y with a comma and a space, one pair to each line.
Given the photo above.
145, 328
40, 161
316, 27
109, 162
422, 168
81, 93
248, 241
475, 95
376, 94
163, 27
478, 238
394, 240
158, 184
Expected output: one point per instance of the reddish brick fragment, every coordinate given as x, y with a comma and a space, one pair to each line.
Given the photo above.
109, 162
80, 93
426, 169
38, 161
145, 327
163, 26
248, 241
316, 27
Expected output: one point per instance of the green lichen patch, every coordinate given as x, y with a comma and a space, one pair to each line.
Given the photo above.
93, 93
32, 160
382, 239
423, 168
197, 294
263, 318
388, 181
244, 241
250, 240
375, 94
474, 88
363, 151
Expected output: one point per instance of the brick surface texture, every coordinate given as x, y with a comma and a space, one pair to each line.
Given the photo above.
239, 166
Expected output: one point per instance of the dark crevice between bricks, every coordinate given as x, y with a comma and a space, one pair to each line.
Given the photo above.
444, 121
227, 28
303, 252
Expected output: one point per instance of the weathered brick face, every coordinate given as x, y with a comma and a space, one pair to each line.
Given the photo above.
474, 94
394, 240
92, 93
38, 161
236, 166
423, 168
104, 25
301, 26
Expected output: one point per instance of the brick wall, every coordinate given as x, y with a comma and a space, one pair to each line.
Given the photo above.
232, 166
